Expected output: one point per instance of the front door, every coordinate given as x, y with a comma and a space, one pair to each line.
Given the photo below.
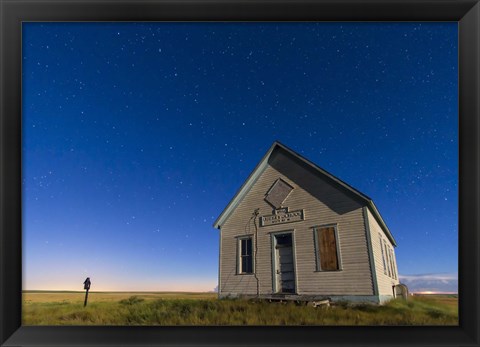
284, 266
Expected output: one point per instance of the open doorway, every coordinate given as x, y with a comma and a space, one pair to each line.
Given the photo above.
283, 263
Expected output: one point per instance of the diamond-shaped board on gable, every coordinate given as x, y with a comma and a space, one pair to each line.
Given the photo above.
278, 193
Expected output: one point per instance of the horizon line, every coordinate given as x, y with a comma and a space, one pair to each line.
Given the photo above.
115, 291
177, 291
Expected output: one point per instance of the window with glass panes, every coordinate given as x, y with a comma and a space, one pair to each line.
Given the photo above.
245, 261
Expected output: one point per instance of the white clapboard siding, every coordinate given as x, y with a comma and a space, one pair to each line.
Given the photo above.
385, 282
323, 202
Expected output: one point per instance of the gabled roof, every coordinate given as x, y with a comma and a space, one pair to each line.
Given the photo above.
262, 165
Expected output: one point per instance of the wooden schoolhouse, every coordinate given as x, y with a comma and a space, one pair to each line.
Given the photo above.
295, 231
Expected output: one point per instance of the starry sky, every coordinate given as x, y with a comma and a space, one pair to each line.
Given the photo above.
137, 135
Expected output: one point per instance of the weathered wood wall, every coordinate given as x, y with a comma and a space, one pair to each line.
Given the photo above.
385, 282
324, 203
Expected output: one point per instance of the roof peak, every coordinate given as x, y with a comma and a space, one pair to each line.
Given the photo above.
262, 165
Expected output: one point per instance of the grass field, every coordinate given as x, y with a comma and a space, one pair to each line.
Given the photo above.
120, 308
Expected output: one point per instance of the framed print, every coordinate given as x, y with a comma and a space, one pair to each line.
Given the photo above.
255, 173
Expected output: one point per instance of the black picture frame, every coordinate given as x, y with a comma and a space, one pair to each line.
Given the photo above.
14, 12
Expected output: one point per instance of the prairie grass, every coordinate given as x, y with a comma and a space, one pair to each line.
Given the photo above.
32, 296
168, 311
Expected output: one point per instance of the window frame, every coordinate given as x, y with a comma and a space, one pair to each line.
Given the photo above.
316, 229
392, 260
389, 267
239, 240
383, 254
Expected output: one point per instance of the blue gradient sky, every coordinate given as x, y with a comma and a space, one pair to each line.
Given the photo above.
137, 135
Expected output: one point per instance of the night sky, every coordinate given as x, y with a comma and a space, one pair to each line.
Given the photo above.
137, 135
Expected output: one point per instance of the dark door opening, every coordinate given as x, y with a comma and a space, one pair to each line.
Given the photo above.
284, 266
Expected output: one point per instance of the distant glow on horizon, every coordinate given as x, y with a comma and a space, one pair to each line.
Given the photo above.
430, 292
135, 136
174, 286
433, 283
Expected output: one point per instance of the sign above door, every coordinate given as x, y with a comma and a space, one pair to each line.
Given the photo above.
282, 216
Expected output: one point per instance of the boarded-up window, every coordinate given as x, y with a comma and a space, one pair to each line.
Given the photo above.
278, 193
327, 249
245, 256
